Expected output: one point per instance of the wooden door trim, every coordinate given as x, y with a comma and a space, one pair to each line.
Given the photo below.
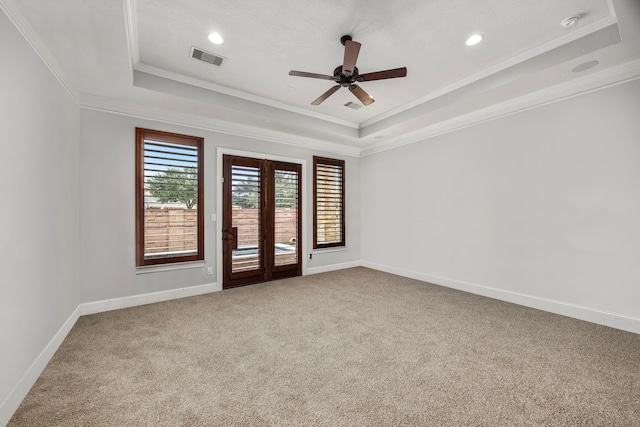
296, 268
216, 222
269, 215
251, 276
266, 241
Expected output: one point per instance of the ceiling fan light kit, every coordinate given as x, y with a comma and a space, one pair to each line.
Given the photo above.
347, 74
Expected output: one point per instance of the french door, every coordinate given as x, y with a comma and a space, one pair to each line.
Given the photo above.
261, 220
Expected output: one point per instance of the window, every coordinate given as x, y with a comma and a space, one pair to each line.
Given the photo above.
169, 208
328, 202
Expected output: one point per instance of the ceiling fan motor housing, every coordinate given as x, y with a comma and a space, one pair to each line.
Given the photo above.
343, 80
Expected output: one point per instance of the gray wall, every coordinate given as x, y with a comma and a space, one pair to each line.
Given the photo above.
544, 203
108, 211
67, 215
39, 222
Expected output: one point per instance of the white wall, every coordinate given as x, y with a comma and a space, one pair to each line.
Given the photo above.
540, 208
39, 222
108, 211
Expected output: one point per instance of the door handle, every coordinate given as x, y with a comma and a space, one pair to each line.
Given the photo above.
230, 235
234, 237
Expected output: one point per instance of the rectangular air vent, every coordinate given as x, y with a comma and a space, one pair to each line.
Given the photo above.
353, 105
207, 57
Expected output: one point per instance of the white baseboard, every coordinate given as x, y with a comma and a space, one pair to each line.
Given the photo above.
17, 395
142, 299
613, 320
332, 267
11, 403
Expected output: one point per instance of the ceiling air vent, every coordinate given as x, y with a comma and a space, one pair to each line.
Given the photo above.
353, 105
207, 57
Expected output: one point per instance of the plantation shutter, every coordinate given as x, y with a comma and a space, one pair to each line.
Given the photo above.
328, 212
169, 192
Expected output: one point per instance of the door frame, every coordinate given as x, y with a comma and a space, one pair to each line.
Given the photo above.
305, 233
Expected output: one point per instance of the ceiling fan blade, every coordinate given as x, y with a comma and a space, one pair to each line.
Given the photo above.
351, 50
312, 75
361, 94
381, 75
325, 95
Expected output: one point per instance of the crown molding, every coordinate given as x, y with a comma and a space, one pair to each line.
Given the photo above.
38, 46
612, 9
150, 69
501, 66
131, 25
590, 83
110, 105
131, 29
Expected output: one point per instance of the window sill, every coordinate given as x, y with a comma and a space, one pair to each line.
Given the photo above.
169, 267
328, 250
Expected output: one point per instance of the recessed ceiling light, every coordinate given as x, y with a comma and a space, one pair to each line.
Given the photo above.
215, 38
570, 21
474, 40
584, 66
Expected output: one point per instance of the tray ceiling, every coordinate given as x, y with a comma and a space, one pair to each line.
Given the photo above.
136, 54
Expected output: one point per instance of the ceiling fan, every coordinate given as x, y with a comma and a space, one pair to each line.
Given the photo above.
346, 75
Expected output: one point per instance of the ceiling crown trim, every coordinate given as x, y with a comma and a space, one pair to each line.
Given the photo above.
325, 142
38, 47
607, 78
130, 22
524, 56
149, 69
116, 106
131, 25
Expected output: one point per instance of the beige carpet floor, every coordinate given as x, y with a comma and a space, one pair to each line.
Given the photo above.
355, 347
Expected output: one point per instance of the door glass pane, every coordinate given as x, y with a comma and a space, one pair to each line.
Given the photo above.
286, 217
245, 218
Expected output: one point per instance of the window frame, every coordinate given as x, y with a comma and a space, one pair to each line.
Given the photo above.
173, 138
317, 160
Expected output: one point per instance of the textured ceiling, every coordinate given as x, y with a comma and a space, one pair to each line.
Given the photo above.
137, 51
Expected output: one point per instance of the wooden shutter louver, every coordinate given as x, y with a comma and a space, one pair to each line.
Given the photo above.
328, 181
